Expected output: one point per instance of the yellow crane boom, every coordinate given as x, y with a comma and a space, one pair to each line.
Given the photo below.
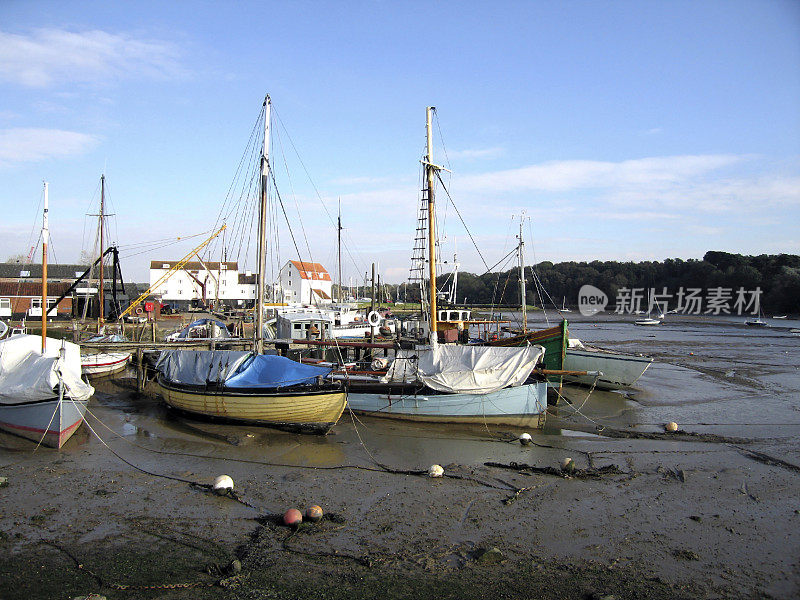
170, 273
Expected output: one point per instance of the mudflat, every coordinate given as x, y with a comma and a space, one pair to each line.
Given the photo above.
125, 509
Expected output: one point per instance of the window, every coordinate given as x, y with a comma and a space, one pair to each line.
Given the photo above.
24, 273
297, 326
5, 303
165, 266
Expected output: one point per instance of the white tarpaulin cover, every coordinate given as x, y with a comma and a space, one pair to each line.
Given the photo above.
28, 376
465, 369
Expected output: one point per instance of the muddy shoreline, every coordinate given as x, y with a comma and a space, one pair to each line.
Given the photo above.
710, 513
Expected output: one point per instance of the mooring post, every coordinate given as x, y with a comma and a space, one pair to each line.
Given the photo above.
139, 370
153, 327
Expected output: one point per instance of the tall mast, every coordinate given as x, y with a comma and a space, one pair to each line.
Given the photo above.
339, 248
522, 292
430, 173
45, 240
102, 202
262, 230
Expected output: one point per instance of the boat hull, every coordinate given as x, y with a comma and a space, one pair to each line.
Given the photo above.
618, 370
104, 363
305, 411
520, 406
50, 421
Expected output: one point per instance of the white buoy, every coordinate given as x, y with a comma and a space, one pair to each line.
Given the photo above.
672, 426
568, 465
223, 484
435, 471
525, 439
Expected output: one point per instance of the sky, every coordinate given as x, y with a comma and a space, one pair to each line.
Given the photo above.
627, 130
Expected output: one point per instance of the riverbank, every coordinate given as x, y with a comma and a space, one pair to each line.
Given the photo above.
710, 512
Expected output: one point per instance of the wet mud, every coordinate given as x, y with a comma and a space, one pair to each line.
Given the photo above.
125, 509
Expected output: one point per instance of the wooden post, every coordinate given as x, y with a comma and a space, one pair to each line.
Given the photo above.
139, 370
153, 327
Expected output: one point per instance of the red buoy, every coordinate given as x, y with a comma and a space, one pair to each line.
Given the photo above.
292, 517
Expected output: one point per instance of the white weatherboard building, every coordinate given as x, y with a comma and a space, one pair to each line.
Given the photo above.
303, 282
210, 282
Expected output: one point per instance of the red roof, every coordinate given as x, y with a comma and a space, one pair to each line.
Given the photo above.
309, 270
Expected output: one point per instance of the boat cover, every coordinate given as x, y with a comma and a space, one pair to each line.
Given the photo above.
269, 371
218, 327
27, 375
199, 367
465, 369
235, 369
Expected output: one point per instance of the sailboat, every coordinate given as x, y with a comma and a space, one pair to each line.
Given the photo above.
450, 383
252, 387
42, 397
108, 362
564, 308
649, 321
758, 321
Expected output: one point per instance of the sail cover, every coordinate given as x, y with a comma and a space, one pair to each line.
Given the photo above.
27, 375
235, 369
465, 369
268, 371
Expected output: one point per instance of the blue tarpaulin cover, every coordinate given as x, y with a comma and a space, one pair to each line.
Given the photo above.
267, 371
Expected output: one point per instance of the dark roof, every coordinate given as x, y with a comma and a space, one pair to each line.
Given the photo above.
244, 278
15, 270
31, 288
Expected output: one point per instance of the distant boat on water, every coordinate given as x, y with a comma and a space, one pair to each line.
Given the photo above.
758, 321
781, 317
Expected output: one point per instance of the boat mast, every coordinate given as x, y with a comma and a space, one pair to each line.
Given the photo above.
45, 239
522, 292
430, 173
339, 248
262, 230
102, 202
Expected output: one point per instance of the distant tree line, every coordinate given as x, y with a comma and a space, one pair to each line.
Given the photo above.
776, 275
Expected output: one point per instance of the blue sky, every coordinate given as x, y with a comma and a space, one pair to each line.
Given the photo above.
625, 130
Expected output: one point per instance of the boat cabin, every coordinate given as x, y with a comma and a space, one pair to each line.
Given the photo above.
304, 326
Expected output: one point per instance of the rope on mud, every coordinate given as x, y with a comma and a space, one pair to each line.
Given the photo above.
585, 400
102, 583
766, 458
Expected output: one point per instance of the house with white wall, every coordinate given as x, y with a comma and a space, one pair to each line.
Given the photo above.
304, 282
204, 283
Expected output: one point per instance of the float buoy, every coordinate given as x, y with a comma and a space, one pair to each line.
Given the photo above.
435, 471
671, 427
222, 485
139, 311
374, 319
314, 513
292, 517
568, 465
525, 439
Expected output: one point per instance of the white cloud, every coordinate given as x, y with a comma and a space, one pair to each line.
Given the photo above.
475, 153
32, 145
48, 56
586, 174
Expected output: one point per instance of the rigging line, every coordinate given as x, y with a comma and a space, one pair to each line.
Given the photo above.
285, 216
294, 196
458, 212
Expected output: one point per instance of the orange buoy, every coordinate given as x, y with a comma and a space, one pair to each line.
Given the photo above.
292, 517
313, 513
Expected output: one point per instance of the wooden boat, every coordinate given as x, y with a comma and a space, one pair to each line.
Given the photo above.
448, 382
617, 370
250, 388
102, 364
42, 397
